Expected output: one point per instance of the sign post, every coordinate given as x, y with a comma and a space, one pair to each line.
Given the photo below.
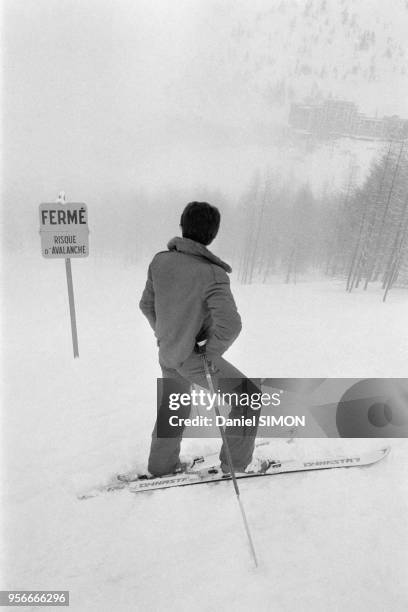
64, 234
72, 306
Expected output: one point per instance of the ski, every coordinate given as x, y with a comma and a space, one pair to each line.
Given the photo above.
118, 482
214, 474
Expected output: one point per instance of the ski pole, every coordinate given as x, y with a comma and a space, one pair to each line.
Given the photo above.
228, 453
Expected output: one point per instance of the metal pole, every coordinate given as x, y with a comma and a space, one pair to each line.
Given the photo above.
72, 307
229, 459
61, 199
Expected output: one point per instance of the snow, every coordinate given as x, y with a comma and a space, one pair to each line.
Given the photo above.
134, 107
333, 540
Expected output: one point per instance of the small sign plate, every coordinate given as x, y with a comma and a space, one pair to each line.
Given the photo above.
64, 230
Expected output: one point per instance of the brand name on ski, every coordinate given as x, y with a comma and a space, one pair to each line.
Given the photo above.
160, 482
331, 462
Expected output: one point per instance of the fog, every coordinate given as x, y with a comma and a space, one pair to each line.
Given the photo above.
136, 107
115, 101
102, 95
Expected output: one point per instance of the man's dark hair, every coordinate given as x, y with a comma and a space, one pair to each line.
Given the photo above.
200, 222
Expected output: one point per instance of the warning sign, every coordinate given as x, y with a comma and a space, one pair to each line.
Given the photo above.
64, 230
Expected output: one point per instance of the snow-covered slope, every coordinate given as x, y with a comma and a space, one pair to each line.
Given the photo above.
328, 541
289, 50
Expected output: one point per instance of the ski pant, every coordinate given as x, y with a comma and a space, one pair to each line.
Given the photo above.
165, 451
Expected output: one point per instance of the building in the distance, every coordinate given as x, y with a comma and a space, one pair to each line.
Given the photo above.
338, 116
335, 118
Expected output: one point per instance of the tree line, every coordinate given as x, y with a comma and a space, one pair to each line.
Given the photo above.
359, 234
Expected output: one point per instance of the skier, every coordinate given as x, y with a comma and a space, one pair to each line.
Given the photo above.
187, 299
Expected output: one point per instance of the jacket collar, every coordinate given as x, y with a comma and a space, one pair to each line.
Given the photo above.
185, 245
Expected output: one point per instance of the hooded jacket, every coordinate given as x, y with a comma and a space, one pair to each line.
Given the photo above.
187, 297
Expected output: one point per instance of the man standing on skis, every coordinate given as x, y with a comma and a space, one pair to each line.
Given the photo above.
187, 299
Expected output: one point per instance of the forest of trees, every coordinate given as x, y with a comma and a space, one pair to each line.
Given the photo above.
280, 230
359, 234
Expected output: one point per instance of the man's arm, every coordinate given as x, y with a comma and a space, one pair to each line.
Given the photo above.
146, 304
225, 317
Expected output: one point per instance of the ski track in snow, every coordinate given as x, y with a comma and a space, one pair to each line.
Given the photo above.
333, 540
